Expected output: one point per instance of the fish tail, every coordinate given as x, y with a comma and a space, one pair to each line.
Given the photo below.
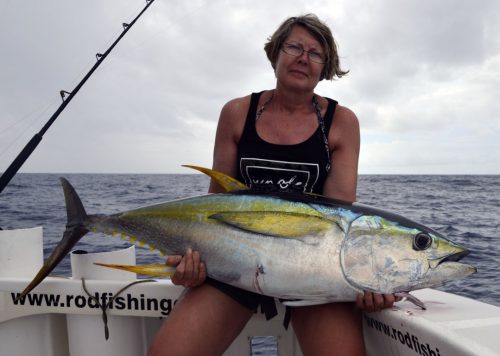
74, 208
75, 230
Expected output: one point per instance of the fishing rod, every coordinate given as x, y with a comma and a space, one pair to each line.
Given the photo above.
66, 98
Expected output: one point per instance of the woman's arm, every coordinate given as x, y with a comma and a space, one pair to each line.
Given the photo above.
229, 130
190, 270
344, 141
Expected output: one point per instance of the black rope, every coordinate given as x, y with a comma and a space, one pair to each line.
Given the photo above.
105, 307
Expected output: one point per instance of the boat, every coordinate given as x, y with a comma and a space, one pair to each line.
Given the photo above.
65, 316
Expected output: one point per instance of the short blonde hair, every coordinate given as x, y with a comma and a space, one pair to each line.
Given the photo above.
321, 33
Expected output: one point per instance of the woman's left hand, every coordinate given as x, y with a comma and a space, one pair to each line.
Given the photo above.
190, 271
371, 302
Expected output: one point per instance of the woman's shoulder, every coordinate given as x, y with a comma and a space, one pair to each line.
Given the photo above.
345, 126
343, 115
234, 111
340, 111
233, 117
237, 104
237, 108
346, 115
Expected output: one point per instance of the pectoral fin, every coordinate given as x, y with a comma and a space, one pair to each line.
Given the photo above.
274, 223
159, 270
228, 183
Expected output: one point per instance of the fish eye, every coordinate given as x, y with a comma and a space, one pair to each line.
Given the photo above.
421, 241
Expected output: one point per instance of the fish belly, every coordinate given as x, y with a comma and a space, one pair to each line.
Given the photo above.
289, 268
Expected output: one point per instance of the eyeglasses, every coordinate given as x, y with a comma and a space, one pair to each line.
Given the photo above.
297, 50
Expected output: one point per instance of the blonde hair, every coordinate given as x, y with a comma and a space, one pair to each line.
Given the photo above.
321, 33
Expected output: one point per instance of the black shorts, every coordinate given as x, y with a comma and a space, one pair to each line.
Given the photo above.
249, 300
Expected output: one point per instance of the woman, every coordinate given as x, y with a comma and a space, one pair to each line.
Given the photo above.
287, 138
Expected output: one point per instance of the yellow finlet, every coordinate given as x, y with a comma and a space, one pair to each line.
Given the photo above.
228, 183
159, 270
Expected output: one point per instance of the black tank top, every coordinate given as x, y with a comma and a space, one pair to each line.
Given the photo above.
272, 167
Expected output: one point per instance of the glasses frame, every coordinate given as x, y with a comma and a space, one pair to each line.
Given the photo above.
302, 50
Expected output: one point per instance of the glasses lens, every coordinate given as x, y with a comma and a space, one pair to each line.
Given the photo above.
316, 57
296, 50
292, 49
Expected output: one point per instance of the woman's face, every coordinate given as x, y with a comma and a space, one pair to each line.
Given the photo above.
300, 72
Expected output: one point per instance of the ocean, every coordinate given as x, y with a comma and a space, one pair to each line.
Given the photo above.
465, 208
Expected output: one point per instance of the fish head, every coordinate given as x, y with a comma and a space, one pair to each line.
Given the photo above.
388, 254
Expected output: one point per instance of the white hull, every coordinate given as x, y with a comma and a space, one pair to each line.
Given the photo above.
58, 318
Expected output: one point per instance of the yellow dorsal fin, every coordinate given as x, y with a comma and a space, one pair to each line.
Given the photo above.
228, 183
275, 223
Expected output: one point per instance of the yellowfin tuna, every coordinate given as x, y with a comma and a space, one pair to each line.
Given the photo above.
293, 246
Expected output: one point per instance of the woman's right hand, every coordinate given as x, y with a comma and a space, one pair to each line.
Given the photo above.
371, 302
190, 270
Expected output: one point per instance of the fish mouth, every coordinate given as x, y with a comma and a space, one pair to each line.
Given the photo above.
451, 262
447, 269
455, 257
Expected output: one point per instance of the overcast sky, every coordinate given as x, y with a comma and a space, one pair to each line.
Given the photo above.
424, 80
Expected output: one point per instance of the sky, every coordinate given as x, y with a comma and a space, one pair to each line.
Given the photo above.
424, 80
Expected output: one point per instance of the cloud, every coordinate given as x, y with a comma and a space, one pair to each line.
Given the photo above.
424, 80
